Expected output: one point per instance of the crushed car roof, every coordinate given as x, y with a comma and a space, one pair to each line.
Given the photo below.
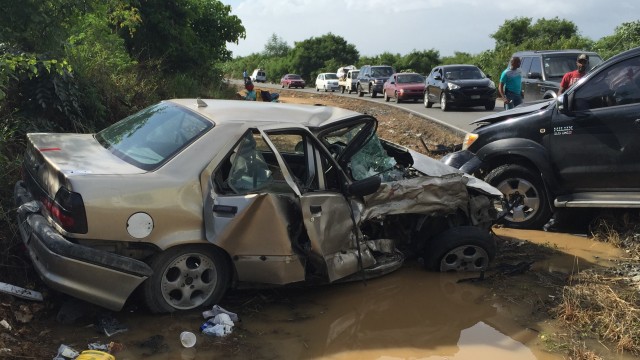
221, 111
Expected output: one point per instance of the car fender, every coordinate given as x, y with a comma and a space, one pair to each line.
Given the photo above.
525, 148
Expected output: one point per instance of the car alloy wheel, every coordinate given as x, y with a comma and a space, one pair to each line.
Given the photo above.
185, 278
443, 102
461, 248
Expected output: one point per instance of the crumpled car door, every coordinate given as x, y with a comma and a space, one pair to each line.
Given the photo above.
262, 229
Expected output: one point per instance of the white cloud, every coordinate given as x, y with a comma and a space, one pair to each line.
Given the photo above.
400, 26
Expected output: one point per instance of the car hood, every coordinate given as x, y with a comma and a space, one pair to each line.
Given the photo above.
433, 167
471, 82
416, 86
517, 111
76, 154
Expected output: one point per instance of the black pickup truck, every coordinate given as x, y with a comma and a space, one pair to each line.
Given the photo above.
581, 149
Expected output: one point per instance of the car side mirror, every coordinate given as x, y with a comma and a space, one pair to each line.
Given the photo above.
563, 101
534, 75
366, 186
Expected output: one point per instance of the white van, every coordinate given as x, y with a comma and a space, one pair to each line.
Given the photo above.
259, 76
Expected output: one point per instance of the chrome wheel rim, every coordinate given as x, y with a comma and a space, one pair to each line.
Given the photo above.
524, 194
189, 281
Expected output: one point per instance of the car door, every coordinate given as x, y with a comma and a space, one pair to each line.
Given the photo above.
435, 84
534, 85
595, 146
283, 212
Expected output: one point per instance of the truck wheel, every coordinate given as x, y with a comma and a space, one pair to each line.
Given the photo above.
443, 102
386, 97
372, 93
461, 248
186, 278
524, 190
360, 91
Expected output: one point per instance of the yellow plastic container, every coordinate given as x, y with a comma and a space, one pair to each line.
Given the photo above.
95, 355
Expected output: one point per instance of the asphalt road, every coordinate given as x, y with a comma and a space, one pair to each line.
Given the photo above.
458, 119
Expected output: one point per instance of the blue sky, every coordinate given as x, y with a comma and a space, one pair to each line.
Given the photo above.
400, 26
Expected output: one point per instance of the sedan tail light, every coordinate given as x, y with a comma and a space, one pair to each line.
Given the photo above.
68, 210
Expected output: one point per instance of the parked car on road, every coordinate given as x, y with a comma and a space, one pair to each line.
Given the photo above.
459, 85
327, 81
258, 76
188, 198
404, 86
292, 80
543, 70
580, 149
372, 78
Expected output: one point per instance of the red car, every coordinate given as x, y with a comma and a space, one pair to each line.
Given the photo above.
404, 86
292, 80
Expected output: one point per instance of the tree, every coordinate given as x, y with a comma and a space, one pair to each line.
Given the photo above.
187, 35
512, 32
310, 55
419, 61
626, 36
276, 47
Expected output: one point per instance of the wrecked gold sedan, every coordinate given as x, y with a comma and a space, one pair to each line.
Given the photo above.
188, 198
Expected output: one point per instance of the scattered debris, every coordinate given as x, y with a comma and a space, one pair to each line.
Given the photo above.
20, 292
65, 353
5, 324
219, 310
110, 326
220, 325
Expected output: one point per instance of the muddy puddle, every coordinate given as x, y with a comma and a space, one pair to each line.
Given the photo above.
409, 314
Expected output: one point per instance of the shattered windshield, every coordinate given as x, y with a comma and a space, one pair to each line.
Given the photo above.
372, 159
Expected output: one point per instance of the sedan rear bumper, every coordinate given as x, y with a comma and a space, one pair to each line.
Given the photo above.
96, 276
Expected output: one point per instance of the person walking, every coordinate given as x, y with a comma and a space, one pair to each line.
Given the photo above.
510, 87
571, 77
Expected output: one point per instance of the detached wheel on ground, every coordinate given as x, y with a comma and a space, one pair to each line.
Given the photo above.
185, 278
462, 248
443, 102
523, 189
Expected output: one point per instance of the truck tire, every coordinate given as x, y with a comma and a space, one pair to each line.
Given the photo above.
522, 188
360, 91
372, 93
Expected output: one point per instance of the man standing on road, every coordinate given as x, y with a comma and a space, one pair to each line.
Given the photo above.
572, 76
510, 87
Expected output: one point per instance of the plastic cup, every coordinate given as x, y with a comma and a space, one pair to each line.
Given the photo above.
188, 339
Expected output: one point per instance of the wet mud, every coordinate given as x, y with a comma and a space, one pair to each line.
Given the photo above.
409, 314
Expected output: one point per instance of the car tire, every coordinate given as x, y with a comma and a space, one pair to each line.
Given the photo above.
461, 248
372, 93
282, 85
443, 102
427, 104
186, 278
396, 98
532, 209
360, 91
288, 86
386, 97
490, 105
